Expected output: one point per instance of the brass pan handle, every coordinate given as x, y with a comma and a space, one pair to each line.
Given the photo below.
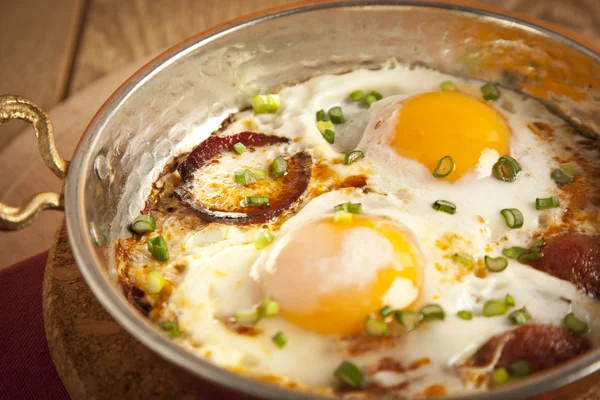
14, 107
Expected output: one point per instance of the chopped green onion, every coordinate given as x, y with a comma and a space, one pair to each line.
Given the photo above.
246, 317
279, 339
143, 224
561, 177
357, 95
242, 177
448, 86
513, 217
171, 327
444, 206
336, 115
156, 282
492, 308
509, 300
408, 319
490, 91
466, 260
256, 201
239, 148
575, 324
354, 208
342, 216
520, 316
513, 252
386, 311
378, 96
353, 156
263, 239
158, 248
325, 125
506, 169
444, 167
545, 203
279, 167
258, 174
520, 369
466, 315
374, 327
268, 308
500, 376
320, 115
497, 264
370, 99
432, 312
329, 136
265, 104
349, 374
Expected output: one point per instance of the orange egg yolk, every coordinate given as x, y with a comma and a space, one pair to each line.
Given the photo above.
433, 125
328, 276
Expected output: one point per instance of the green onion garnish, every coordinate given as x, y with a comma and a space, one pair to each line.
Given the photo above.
158, 248
349, 374
320, 115
246, 317
258, 174
506, 169
336, 115
448, 86
513, 252
329, 136
509, 300
171, 327
386, 311
156, 282
266, 104
242, 177
500, 376
561, 177
325, 125
263, 239
520, 316
545, 203
497, 264
444, 206
370, 99
278, 167
378, 96
490, 91
239, 148
357, 95
268, 308
353, 156
342, 216
466, 315
354, 208
492, 308
256, 201
432, 312
279, 339
444, 167
374, 327
575, 324
513, 217
408, 319
464, 259
143, 224
520, 369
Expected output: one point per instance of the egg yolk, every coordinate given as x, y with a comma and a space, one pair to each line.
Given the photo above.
328, 276
433, 125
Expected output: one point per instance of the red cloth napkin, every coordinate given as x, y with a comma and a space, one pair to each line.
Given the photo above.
26, 369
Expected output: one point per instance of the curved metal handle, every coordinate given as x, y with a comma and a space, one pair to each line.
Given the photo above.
14, 107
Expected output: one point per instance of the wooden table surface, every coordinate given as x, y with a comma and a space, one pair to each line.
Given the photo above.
53, 49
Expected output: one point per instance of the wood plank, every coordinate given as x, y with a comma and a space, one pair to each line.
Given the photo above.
118, 32
38, 40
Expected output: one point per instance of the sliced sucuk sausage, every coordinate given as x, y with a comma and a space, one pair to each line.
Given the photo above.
573, 257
